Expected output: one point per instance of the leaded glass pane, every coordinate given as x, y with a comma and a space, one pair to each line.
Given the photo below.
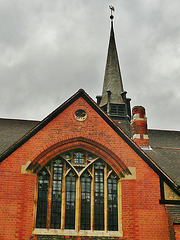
85, 202
79, 158
70, 201
112, 204
56, 194
99, 196
67, 156
91, 156
43, 183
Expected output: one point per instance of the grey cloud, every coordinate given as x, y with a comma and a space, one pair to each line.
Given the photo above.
50, 50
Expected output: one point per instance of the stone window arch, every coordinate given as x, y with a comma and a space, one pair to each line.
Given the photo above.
78, 193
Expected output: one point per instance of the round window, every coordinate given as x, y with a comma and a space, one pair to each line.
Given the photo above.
80, 115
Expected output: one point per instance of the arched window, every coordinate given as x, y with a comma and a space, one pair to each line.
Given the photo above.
78, 191
43, 185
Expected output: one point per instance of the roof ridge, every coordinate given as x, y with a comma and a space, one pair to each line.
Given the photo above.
173, 148
163, 130
16, 119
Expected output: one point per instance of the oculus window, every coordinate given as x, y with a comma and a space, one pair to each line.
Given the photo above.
78, 191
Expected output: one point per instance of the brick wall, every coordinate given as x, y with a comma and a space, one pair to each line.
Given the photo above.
177, 231
142, 216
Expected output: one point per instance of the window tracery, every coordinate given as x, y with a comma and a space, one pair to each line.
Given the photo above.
78, 191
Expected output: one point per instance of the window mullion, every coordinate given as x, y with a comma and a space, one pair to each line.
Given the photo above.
48, 220
63, 204
119, 205
105, 199
35, 203
78, 206
92, 199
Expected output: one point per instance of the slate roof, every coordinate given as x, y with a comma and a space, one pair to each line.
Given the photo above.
166, 152
174, 212
11, 130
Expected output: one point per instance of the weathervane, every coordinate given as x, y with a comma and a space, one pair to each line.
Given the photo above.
112, 10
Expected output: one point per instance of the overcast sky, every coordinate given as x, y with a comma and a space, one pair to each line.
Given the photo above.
50, 49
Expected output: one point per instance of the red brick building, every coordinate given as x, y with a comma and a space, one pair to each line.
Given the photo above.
90, 170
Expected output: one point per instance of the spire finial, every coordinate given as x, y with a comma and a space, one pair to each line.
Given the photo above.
112, 10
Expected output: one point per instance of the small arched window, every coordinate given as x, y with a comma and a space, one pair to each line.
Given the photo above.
78, 191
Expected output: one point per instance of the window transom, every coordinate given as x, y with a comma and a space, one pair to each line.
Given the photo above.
77, 191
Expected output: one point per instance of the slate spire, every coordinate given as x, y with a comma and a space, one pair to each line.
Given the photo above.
112, 78
113, 100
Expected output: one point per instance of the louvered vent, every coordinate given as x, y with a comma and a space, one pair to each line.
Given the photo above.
117, 110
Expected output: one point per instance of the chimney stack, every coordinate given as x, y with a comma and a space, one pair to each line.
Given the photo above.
139, 126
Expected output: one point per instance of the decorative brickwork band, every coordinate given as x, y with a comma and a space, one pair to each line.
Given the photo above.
139, 126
